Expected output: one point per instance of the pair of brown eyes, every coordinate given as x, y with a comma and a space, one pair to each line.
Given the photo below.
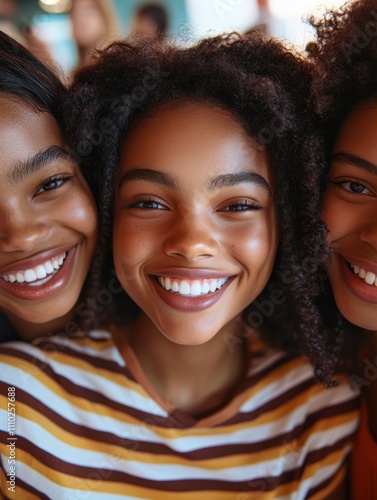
151, 204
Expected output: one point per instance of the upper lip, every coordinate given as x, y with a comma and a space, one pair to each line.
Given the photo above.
40, 258
365, 264
186, 273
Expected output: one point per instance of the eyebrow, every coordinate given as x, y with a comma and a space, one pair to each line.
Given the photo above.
23, 169
228, 180
356, 161
225, 180
146, 174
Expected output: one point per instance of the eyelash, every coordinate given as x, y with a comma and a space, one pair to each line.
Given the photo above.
233, 207
246, 204
355, 182
147, 200
60, 179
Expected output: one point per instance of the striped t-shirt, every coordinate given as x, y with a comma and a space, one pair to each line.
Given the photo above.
89, 425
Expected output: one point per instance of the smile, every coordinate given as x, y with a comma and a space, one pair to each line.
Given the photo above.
191, 288
40, 277
368, 277
39, 274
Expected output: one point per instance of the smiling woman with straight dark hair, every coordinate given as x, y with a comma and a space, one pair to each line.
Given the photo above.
48, 220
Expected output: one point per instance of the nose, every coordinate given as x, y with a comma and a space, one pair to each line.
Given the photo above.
21, 229
191, 238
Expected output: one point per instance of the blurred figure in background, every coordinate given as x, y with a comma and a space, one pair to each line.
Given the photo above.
151, 20
94, 24
263, 25
8, 9
25, 36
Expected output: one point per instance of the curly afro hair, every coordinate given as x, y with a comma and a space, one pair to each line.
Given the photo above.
265, 86
344, 59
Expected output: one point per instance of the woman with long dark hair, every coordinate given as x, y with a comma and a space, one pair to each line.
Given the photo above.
48, 223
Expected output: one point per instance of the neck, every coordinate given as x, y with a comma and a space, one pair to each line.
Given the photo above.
197, 379
370, 394
29, 331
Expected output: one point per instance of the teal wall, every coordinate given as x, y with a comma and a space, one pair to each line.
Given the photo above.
125, 8
176, 8
26, 11
63, 48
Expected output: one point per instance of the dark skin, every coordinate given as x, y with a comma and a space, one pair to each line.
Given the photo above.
191, 365
48, 213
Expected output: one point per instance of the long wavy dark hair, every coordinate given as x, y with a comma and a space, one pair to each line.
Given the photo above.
344, 74
265, 87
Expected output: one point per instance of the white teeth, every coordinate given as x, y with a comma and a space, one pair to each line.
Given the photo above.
167, 284
41, 272
30, 276
367, 276
38, 273
370, 278
196, 289
184, 288
193, 288
49, 268
20, 277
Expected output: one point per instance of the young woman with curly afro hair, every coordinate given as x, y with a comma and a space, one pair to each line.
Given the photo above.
204, 160
345, 94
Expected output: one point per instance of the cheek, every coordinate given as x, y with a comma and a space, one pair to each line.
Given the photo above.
81, 213
341, 219
259, 245
131, 244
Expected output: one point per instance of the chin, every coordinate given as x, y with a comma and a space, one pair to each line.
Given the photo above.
187, 340
365, 324
364, 317
191, 338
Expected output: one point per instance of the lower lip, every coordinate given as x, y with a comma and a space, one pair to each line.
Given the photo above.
356, 285
48, 289
186, 302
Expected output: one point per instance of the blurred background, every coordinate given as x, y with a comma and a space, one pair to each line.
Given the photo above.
63, 33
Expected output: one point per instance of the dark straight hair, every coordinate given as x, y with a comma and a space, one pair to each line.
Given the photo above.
24, 76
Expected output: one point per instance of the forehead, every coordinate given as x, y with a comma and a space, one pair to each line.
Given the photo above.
24, 130
190, 135
359, 130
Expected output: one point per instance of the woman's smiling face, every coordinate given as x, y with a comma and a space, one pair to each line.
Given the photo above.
48, 223
195, 224
350, 213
